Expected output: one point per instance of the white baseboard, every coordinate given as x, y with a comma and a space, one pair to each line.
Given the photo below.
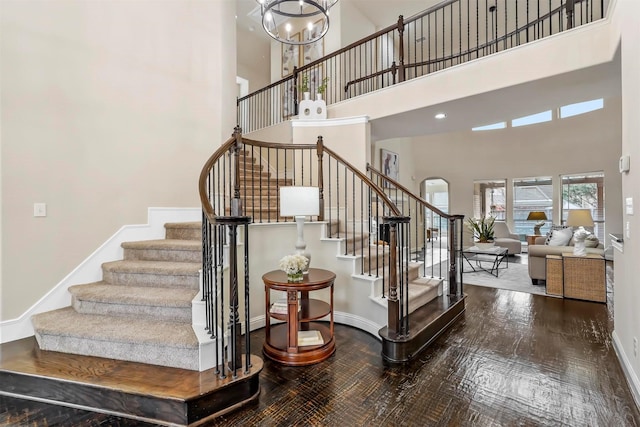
90, 270
630, 375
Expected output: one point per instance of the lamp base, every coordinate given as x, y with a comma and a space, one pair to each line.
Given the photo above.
579, 248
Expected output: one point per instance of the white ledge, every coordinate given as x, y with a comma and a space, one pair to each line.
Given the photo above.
299, 123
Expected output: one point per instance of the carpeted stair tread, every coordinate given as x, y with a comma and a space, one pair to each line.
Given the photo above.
153, 267
166, 244
188, 225
68, 322
139, 295
178, 250
184, 230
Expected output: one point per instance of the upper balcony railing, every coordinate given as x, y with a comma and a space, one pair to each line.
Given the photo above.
448, 34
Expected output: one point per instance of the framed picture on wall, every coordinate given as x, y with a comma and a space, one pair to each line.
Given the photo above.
390, 165
290, 56
313, 51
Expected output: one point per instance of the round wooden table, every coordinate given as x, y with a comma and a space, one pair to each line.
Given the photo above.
300, 315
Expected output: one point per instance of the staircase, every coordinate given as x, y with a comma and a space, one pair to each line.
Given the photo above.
259, 192
141, 309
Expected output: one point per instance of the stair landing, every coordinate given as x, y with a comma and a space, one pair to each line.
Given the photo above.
156, 394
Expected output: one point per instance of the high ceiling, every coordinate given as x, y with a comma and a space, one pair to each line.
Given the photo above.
380, 12
595, 82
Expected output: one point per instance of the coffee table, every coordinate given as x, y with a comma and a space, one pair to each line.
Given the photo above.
489, 260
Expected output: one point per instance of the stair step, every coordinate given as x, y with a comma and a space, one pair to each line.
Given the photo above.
265, 182
164, 250
260, 204
167, 304
421, 292
124, 338
184, 230
152, 273
250, 174
146, 394
250, 165
257, 190
425, 325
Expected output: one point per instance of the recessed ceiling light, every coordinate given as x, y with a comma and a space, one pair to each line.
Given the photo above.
440, 116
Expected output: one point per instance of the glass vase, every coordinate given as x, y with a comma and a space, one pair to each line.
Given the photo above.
294, 277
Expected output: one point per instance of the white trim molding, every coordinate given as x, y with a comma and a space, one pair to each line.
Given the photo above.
299, 123
627, 368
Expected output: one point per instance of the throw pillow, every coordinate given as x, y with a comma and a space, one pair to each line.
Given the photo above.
553, 228
591, 241
560, 237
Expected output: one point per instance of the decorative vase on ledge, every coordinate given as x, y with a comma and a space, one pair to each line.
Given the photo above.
294, 277
320, 107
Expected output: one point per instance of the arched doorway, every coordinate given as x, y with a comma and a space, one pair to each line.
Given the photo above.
435, 191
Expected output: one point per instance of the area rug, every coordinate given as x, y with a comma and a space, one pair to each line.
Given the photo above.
514, 278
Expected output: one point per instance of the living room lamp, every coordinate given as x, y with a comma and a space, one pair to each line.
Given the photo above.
579, 218
300, 202
539, 216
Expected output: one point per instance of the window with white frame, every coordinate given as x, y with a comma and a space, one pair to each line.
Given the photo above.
532, 195
490, 199
585, 191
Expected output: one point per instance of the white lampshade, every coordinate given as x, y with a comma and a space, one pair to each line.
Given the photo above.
579, 217
299, 201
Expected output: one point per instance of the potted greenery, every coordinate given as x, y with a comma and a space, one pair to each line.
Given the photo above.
304, 85
323, 87
482, 229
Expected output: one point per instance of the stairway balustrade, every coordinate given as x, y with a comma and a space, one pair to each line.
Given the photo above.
447, 34
390, 239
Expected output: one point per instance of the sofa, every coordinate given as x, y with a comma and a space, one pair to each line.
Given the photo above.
538, 257
504, 238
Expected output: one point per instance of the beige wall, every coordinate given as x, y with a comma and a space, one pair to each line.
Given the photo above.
627, 272
253, 59
584, 143
108, 108
404, 148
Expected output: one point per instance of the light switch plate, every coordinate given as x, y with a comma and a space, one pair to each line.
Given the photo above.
39, 209
628, 202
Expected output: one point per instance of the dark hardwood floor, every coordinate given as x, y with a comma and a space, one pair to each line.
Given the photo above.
513, 360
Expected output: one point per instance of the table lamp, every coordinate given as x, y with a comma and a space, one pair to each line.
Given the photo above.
539, 216
579, 218
300, 202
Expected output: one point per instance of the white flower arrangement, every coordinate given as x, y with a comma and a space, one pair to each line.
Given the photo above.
292, 264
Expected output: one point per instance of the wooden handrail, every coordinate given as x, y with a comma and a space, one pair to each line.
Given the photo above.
319, 146
387, 201
411, 195
204, 173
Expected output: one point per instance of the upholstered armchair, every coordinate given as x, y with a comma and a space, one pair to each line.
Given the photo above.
503, 237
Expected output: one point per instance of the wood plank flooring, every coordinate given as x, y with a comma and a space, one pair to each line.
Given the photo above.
514, 359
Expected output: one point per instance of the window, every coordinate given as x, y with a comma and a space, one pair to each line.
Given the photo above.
531, 195
489, 198
581, 108
545, 116
500, 125
585, 191
435, 191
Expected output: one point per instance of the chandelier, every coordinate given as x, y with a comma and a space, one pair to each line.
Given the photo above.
296, 22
